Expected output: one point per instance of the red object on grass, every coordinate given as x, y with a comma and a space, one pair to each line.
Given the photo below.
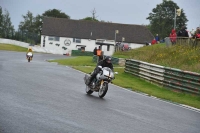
153, 41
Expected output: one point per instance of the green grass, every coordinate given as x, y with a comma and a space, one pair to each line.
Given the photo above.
125, 80
182, 57
77, 61
9, 47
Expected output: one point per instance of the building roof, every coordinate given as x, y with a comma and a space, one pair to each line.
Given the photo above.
83, 29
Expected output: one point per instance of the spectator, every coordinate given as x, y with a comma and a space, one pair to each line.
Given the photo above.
192, 32
173, 37
95, 51
153, 41
99, 54
183, 32
197, 33
196, 36
157, 38
162, 40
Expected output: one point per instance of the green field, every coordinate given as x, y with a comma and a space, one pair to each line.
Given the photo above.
9, 47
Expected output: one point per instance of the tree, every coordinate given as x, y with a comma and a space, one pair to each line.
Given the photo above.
1, 21
26, 27
90, 19
29, 28
7, 28
38, 26
55, 13
93, 18
162, 18
28, 23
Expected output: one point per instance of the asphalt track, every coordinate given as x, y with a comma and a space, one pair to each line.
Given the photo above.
42, 97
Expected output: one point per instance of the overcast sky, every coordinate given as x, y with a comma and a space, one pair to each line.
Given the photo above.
116, 11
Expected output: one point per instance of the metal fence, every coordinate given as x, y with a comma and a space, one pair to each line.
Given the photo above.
165, 76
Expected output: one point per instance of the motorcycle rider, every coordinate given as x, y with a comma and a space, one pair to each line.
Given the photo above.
104, 63
29, 50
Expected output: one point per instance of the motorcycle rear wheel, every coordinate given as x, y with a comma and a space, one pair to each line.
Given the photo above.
87, 90
102, 91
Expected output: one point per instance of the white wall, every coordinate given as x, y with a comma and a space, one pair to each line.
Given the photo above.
51, 47
14, 42
135, 45
90, 45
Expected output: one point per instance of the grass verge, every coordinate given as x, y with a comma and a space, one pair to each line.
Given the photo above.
10, 47
184, 57
131, 82
77, 61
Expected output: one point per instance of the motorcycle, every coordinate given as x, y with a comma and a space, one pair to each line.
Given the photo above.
100, 82
29, 56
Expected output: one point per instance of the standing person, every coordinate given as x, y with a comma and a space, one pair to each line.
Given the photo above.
197, 33
183, 35
173, 37
192, 32
99, 54
196, 36
95, 51
183, 32
157, 38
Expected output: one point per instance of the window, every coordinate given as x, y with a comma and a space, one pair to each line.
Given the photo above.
76, 40
57, 38
52, 38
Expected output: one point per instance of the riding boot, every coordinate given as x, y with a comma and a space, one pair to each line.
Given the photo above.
91, 78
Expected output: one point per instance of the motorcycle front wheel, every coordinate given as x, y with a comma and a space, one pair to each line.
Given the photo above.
29, 59
103, 90
88, 91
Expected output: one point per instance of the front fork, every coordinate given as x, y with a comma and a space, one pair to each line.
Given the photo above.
101, 84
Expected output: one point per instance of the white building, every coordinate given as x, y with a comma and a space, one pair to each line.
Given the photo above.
64, 35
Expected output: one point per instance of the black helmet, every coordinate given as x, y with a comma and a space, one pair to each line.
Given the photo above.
108, 58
